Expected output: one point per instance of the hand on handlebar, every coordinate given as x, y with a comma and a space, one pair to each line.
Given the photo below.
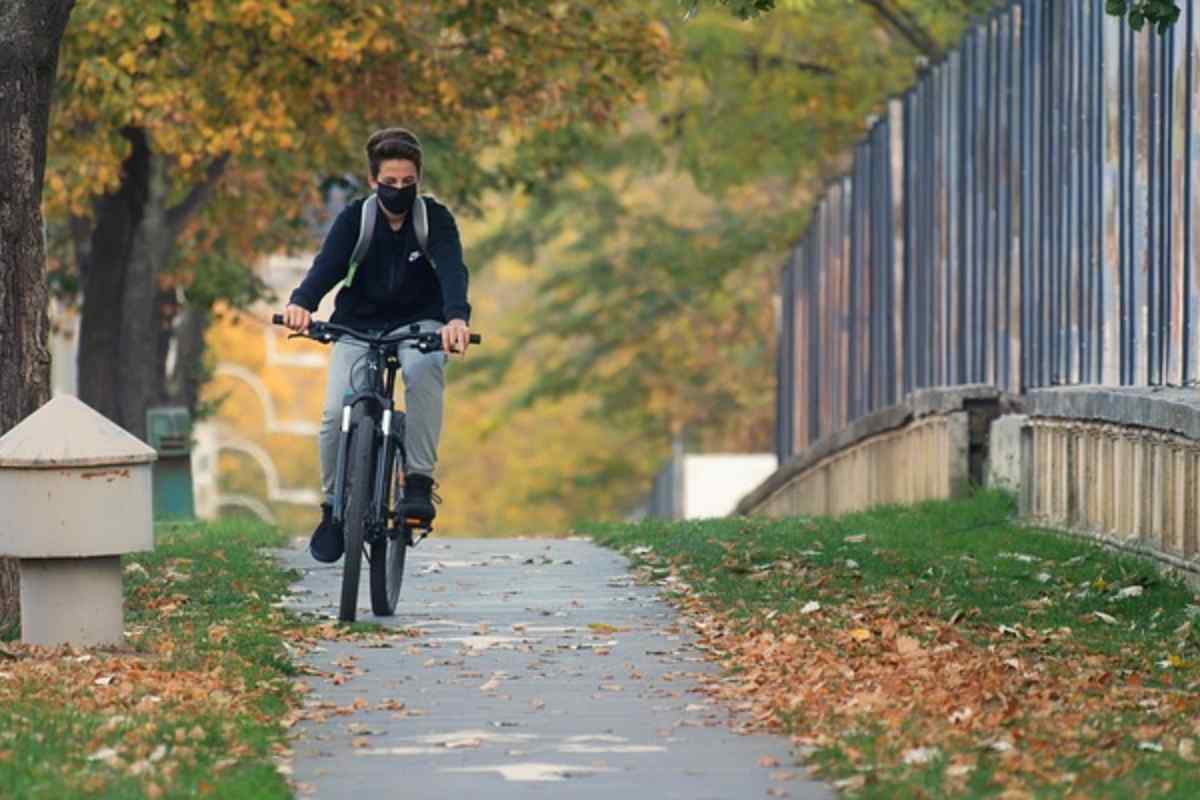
456, 337
297, 318
428, 342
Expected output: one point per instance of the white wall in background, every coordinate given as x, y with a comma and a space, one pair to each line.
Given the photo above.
713, 484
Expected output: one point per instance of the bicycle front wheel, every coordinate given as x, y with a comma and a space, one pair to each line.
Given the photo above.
359, 473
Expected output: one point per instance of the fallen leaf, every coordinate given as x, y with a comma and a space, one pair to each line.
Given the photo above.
860, 634
811, 607
768, 762
106, 754
458, 744
920, 755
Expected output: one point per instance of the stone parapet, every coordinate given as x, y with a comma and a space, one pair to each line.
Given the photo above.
930, 446
1118, 465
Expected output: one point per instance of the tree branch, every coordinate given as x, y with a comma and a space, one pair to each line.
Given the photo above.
759, 62
178, 215
905, 24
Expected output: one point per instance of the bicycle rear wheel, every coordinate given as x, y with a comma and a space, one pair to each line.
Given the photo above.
387, 573
388, 554
359, 473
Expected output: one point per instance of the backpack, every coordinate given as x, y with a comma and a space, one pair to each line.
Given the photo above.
366, 227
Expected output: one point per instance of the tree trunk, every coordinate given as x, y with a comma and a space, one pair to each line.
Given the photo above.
189, 373
126, 322
118, 216
30, 32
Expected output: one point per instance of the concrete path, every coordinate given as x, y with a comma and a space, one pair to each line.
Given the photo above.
541, 671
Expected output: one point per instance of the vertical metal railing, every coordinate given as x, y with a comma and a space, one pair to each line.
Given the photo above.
1023, 216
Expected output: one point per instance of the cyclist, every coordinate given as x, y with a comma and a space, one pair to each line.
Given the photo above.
397, 284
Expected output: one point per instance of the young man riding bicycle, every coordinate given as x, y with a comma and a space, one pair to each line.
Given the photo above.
401, 281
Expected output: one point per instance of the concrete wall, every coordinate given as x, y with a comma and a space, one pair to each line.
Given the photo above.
1119, 465
932, 446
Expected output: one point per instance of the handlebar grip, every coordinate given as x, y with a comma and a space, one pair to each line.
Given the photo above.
277, 319
476, 338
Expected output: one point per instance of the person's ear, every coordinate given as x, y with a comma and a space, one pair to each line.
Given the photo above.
372, 182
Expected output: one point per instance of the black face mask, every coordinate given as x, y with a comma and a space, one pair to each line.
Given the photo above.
397, 200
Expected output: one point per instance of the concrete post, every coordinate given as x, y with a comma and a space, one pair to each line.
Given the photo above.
75, 490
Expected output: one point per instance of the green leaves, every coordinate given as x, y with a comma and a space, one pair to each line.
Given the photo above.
742, 9
1160, 13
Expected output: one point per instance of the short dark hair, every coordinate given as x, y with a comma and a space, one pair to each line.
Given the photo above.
399, 143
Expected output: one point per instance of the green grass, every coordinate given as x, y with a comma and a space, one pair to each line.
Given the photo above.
968, 563
195, 704
966, 560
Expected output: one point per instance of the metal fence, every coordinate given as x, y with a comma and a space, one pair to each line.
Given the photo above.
1024, 216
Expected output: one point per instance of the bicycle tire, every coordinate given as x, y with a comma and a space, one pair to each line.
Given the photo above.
359, 476
387, 574
387, 560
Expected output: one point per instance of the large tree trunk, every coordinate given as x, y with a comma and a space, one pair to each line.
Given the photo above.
126, 322
30, 32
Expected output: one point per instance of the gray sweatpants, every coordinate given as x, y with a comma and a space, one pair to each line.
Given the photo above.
424, 384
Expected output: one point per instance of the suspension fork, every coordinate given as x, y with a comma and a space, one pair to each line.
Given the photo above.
352, 399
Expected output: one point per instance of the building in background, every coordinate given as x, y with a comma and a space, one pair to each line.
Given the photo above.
702, 486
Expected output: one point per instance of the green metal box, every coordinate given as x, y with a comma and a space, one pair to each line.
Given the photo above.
169, 432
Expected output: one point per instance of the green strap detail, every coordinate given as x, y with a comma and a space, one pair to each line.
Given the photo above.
350, 274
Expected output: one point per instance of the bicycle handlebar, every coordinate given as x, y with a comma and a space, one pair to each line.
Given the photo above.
428, 341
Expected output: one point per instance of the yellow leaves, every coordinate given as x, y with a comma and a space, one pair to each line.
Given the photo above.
248, 10
659, 32
448, 92
861, 635
152, 31
128, 61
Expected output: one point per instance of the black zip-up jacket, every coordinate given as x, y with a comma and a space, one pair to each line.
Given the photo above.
395, 284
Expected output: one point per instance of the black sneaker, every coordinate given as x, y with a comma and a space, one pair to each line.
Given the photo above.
326, 544
418, 509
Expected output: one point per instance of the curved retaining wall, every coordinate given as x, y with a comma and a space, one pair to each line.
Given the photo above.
1119, 465
931, 446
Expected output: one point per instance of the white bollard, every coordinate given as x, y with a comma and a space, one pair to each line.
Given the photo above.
75, 493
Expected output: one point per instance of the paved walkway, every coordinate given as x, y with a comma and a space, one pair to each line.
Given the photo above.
541, 670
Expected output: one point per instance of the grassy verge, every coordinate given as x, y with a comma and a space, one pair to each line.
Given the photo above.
942, 650
191, 706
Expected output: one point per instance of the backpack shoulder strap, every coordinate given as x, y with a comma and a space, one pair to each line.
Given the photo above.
421, 226
366, 227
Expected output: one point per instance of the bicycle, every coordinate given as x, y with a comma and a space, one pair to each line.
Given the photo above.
370, 466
